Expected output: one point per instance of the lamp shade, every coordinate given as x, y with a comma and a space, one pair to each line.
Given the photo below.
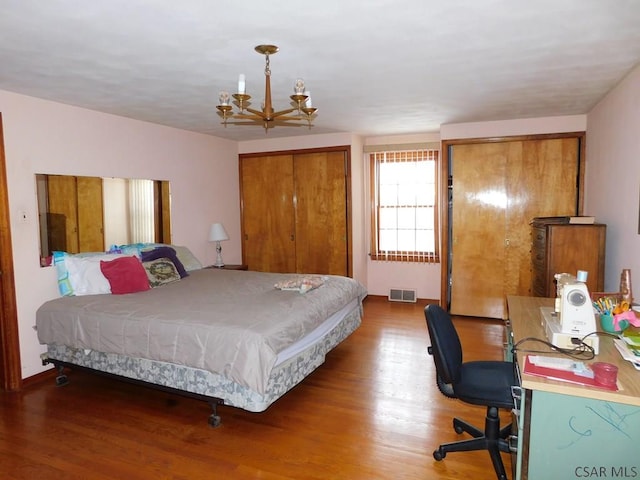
217, 233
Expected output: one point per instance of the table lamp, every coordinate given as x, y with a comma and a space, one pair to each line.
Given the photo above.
218, 234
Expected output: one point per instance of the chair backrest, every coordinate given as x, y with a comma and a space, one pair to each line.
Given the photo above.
445, 344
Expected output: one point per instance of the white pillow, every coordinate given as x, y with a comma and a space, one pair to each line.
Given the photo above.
188, 259
85, 275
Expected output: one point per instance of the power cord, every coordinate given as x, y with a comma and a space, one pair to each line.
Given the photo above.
581, 350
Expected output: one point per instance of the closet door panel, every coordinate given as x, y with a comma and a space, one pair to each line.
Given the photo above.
321, 213
268, 213
478, 224
63, 213
90, 214
542, 183
498, 188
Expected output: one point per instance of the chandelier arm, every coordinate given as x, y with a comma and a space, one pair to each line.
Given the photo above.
253, 118
283, 112
258, 113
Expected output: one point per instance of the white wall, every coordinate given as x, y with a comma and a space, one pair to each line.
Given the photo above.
509, 128
613, 177
47, 137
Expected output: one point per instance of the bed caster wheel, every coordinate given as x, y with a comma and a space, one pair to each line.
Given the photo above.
439, 454
61, 380
215, 420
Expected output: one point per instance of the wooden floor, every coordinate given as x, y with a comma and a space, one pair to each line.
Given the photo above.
372, 411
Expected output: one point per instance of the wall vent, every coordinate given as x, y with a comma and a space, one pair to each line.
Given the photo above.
402, 295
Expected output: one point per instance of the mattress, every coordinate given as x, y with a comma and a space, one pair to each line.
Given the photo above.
284, 376
234, 324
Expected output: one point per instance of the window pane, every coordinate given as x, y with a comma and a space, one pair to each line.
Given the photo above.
388, 218
407, 218
406, 203
388, 241
406, 240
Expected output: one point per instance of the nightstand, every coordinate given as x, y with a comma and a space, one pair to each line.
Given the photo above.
230, 267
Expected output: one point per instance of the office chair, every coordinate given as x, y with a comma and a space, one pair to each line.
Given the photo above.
486, 383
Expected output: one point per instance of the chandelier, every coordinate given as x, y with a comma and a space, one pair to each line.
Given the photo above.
267, 117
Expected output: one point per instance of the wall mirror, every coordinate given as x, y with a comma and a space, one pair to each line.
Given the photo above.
89, 214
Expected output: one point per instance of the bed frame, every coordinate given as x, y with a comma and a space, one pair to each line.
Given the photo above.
201, 384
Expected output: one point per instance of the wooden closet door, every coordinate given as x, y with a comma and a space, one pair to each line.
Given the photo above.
542, 183
267, 213
498, 188
321, 213
62, 213
90, 214
477, 229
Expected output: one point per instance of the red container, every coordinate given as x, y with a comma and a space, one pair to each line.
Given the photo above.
606, 374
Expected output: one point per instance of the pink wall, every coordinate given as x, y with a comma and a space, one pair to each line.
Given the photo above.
47, 137
613, 177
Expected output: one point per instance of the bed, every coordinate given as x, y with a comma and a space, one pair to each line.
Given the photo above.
226, 336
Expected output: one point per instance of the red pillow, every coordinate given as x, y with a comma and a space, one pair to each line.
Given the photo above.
125, 275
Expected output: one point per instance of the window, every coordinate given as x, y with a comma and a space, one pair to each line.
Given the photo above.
404, 200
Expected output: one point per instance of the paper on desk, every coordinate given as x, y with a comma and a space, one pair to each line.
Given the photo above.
570, 376
626, 353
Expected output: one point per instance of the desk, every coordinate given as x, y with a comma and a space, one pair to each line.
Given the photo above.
568, 431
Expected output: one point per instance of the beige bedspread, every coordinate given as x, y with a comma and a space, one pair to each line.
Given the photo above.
229, 322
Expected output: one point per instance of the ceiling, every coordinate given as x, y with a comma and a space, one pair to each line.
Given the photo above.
375, 67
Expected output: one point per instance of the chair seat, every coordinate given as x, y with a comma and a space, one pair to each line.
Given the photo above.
486, 383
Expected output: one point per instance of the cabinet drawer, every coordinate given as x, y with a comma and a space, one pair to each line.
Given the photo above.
539, 286
538, 257
539, 239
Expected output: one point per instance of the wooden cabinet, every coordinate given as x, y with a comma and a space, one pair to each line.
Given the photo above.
295, 212
566, 248
496, 189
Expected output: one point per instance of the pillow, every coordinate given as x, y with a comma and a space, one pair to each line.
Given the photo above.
125, 275
187, 258
64, 285
65, 280
164, 252
161, 271
85, 275
130, 249
302, 284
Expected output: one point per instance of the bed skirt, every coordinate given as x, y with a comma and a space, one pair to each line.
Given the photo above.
283, 378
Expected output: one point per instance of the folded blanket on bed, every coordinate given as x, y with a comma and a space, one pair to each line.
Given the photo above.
301, 284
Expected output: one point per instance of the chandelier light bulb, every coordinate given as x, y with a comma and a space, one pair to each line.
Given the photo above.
224, 98
241, 84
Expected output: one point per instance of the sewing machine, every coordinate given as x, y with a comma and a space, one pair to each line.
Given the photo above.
573, 316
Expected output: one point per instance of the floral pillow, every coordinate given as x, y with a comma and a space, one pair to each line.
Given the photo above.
161, 271
166, 253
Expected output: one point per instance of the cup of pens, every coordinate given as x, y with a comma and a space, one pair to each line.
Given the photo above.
611, 315
611, 324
